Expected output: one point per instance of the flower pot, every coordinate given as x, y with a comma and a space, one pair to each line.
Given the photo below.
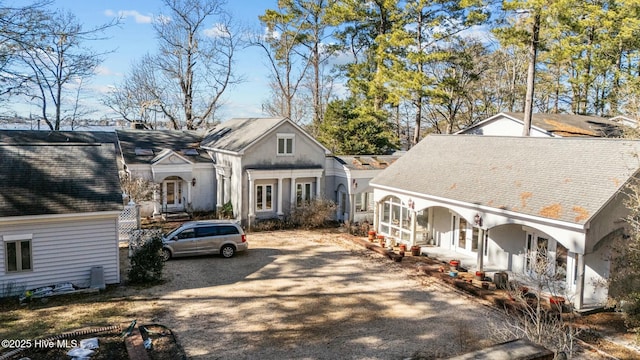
556, 300
372, 235
415, 250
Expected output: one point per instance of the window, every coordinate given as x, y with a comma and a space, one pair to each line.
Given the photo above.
285, 144
303, 194
187, 234
18, 253
264, 195
362, 202
396, 219
206, 231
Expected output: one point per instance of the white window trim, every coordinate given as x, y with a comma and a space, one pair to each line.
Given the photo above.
303, 195
285, 137
17, 239
264, 199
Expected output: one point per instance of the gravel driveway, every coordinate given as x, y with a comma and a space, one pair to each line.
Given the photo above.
309, 295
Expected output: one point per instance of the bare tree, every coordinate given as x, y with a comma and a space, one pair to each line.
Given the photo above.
18, 26
534, 317
137, 98
194, 65
55, 57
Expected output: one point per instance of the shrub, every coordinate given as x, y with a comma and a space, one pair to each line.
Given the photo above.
313, 214
146, 259
227, 210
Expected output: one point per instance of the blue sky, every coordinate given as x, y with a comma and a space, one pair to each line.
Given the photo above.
135, 37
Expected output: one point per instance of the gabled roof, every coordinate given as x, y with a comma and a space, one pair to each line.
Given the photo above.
143, 146
567, 179
48, 173
236, 135
366, 162
563, 125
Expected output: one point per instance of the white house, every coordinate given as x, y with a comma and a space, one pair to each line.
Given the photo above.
174, 160
59, 205
545, 125
499, 198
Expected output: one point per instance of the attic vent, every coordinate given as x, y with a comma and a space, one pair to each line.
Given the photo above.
144, 152
190, 152
218, 134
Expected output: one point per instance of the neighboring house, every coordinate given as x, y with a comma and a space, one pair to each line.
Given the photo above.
499, 198
264, 166
348, 179
59, 205
545, 125
174, 160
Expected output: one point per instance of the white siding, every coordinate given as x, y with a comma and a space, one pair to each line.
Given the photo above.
65, 251
503, 127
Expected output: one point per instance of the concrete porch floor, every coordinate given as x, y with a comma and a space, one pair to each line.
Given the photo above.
467, 261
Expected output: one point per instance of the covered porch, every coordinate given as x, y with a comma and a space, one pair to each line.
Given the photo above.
493, 240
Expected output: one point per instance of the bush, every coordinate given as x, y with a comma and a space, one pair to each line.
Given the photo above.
314, 214
146, 258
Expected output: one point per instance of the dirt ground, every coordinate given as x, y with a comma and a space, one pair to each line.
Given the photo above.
300, 295
316, 295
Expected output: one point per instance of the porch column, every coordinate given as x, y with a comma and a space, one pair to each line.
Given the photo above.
412, 233
280, 213
219, 185
376, 217
293, 193
156, 201
578, 302
318, 193
251, 200
480, 262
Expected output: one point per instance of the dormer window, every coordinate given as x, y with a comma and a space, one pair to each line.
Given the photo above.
285, 144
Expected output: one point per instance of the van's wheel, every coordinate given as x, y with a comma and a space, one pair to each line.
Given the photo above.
166, 254
227, 251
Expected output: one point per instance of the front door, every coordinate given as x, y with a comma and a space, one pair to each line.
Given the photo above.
173, 195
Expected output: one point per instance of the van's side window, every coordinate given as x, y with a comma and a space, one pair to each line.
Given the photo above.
227, 230
187, 234
207, 231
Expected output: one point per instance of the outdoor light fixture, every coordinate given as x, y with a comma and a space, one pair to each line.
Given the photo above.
478, 219
193, 182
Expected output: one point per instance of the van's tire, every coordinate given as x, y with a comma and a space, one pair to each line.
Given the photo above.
166, 254
227, 251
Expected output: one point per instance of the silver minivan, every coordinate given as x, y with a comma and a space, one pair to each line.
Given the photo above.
204, 237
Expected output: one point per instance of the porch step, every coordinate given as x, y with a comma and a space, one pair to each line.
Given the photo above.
176, 216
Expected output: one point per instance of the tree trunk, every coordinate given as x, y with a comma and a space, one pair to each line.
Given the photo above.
531, 74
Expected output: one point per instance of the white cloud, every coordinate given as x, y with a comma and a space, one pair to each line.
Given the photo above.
139, 18
103, 70
216, 31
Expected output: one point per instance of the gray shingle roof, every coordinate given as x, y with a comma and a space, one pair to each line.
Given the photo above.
236, 134
71, 173
157, 141
566, 179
